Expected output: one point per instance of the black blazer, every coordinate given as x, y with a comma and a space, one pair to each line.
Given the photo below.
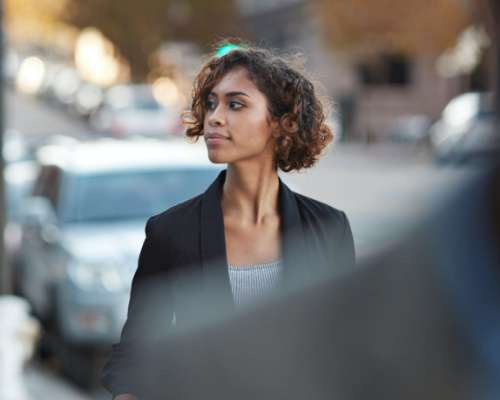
184, 252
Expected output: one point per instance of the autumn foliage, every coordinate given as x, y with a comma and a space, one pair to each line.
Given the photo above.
405, 26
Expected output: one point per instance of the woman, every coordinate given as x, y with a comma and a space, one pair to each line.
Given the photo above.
248, 232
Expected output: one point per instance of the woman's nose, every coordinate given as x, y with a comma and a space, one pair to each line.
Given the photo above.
216, 117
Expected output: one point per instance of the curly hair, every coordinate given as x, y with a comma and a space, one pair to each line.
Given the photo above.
291, 100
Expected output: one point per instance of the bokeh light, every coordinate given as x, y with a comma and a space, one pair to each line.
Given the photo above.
31, 75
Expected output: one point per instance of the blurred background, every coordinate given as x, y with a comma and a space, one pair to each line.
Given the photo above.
93, 91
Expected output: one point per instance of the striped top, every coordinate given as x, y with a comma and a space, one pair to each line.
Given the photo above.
250, 282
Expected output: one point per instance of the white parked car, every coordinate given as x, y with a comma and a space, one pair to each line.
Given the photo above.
83, 229
132, 110
466, 129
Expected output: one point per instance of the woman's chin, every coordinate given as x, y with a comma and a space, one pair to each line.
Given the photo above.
216, 158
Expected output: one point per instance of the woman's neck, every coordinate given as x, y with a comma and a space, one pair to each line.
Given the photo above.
250, 194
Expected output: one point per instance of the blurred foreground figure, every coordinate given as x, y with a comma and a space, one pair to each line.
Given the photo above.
418, 321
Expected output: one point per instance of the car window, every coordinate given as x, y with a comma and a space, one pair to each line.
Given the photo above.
47, 184
131, 195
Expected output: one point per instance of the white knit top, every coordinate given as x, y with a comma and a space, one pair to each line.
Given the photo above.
250, 282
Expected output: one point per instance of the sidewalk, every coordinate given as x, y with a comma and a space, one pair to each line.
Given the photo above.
43, 384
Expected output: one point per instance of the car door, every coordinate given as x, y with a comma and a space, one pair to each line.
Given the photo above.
40, 244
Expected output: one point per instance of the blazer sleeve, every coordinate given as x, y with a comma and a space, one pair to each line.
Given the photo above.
118, 373
348, 252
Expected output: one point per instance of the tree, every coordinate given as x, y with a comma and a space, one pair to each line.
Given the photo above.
137, 28
36, 21
408, 27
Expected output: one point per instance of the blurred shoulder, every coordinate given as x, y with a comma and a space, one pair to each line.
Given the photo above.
177, 217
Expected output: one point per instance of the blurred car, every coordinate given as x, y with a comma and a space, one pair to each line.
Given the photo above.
21, 147
66, 84
129, 110
53, 69
18, 178
466, 129
83, 228
411, 130
88, 98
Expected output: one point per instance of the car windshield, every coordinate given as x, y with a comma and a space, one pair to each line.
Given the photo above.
144, 104
131, 195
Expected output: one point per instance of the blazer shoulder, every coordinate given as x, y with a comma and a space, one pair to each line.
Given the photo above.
318, 209
334, 225
182, 214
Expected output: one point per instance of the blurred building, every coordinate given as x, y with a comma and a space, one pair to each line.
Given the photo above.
370, 91
391, 85
276, 23
291, 25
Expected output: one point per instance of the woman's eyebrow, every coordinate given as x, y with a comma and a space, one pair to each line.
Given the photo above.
233, 94
230, 94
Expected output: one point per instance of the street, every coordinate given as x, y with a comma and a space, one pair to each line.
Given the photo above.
32, 117
43, 383
383, 189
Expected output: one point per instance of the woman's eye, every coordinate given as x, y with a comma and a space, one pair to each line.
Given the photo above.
210, 105
234, 105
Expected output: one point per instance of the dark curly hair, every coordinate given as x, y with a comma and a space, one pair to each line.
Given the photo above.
291, 99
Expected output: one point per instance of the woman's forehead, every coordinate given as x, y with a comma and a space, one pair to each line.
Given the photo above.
235, 80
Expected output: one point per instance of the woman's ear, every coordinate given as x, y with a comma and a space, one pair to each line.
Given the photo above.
288, 123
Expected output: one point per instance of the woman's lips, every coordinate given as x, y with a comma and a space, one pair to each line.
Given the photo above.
215, 138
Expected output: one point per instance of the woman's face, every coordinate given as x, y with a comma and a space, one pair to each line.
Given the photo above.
237, 126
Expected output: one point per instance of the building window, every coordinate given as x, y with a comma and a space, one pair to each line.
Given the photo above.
388, 69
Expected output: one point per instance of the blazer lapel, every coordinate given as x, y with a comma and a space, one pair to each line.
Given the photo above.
293, 246
213, 243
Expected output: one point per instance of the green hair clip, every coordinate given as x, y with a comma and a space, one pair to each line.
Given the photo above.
226, 48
